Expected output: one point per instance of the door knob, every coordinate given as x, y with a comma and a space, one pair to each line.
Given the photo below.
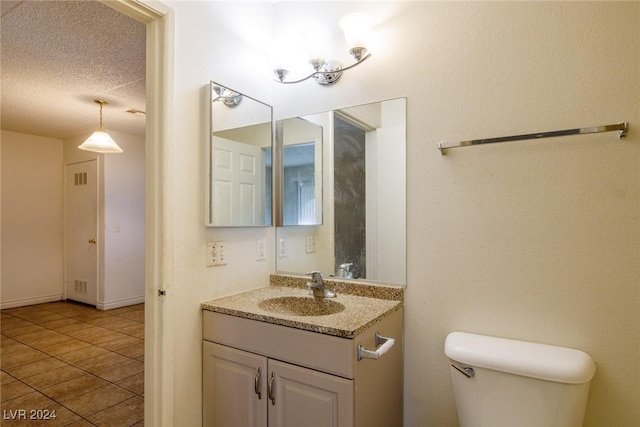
92, 241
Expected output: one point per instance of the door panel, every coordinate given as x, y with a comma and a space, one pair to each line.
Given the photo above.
307, 398
230, 380
238, 183
81, 219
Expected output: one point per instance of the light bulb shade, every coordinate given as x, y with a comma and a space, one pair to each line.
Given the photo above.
100, 142
357, 29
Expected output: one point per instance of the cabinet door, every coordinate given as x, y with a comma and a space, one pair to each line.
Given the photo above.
301, 397
234, 387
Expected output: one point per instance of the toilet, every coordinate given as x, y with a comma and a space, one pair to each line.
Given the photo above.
510, 383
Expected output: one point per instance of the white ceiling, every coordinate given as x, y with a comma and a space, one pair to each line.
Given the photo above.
58, 56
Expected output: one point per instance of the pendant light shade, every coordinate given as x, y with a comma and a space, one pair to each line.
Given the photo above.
100, 141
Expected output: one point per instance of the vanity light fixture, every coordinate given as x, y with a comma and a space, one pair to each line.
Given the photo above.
357, 31
100, 141
227, 97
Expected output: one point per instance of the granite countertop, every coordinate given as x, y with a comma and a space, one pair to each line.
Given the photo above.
360, 312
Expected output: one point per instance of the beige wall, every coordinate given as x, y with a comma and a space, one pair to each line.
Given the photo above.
32, 219
535, 240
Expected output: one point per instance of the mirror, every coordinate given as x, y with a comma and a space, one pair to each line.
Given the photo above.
362, 234
239, 170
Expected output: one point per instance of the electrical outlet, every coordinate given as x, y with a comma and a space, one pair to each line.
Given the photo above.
216, 253
311, 244
261, 249
282, 248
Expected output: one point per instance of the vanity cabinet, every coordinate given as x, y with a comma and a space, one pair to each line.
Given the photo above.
245, 389
260, 374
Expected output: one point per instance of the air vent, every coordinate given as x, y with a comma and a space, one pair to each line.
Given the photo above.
80, 286
80, 178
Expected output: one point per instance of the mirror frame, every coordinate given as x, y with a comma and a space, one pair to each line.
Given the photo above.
208, 169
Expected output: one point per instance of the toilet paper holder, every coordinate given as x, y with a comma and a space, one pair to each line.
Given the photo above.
383, 344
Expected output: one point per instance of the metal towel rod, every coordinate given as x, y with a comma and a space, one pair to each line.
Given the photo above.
622, 129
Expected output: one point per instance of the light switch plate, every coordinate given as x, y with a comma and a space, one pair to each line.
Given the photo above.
216, 253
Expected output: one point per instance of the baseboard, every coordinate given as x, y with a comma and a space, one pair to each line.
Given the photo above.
118, 304
30, 301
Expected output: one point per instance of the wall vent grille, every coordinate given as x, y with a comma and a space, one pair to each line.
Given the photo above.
80, 178
80, 286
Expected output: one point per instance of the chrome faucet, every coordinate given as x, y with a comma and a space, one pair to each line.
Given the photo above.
318, 287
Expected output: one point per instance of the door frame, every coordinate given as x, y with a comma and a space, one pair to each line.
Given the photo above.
158, 373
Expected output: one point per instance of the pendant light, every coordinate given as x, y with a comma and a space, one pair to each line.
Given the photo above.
100, 141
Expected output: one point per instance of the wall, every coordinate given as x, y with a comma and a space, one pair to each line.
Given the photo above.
534, 240
32, 219
207, 34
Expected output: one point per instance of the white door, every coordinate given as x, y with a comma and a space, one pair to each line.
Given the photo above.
81, 198
237, 184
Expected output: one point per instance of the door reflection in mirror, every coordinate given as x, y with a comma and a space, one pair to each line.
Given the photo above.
238, 177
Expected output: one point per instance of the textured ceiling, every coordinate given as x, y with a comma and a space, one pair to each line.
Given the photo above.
58, 56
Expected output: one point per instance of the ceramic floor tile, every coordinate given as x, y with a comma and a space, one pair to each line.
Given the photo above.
54, 376
12, 322
125, 413
45, 317
132, 351
99, 362
120, 371
17, 332
34, 368
82, 423
14, 389
65, 321
78, 355
134, 383
45, 338
6, 342
64, 347
6, 378
97, 400
108, 335
21, 356
16, 347
93, 331
118, 343
72, 327
136, 315
66, 390
135, 331
73, 334
118, 323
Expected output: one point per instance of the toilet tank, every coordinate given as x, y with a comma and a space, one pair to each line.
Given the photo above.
504, 382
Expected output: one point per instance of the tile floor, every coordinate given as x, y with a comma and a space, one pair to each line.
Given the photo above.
83, 364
